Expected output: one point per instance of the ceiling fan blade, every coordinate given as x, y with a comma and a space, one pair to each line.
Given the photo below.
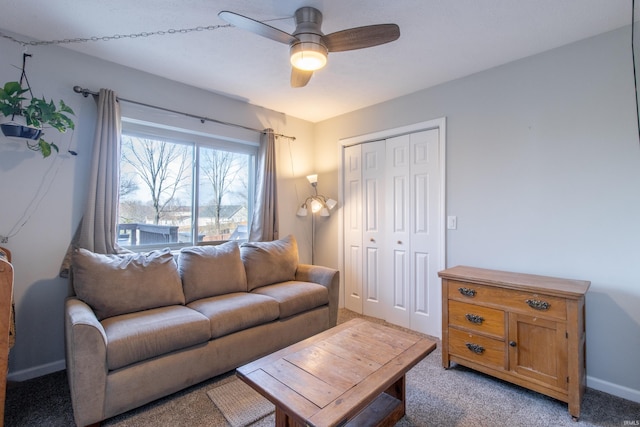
257, 27
361, 37
300, 78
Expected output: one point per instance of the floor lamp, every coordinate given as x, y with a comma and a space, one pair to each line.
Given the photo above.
317, 203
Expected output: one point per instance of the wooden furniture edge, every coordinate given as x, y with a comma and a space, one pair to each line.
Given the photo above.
519, 281
6, 298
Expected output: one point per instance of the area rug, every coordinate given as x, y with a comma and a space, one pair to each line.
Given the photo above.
240, 404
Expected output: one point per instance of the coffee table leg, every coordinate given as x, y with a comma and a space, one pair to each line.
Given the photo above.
284, 420
397, 390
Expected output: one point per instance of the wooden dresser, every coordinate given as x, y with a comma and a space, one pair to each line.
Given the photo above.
522, 328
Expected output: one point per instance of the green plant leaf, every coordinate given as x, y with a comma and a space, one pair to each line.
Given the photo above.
64, 107
13, 89
45, 148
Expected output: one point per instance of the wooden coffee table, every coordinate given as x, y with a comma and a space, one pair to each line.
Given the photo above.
353, 374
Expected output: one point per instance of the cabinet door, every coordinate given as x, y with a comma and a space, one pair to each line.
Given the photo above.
538, 349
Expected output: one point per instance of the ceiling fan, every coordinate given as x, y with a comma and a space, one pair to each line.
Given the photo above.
308, 46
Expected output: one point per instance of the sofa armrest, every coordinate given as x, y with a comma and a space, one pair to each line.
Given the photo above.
325, 276
86, 357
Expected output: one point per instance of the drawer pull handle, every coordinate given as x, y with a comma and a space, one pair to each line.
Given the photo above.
477, 349
538, 305
474, 318
467, 292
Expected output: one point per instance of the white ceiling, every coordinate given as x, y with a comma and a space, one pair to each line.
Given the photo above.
440, 40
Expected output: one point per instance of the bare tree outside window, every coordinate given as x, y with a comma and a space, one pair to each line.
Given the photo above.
225, 175
128, 184
163, 167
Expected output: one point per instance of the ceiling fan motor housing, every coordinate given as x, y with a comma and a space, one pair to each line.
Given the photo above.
309, 53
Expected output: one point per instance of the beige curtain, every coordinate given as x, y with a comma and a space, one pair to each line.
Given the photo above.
264, 224
97, 229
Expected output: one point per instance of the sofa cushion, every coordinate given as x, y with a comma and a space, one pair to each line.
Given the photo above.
208, 271
120, 284
235, 312
270, 262
295, 297
139, 336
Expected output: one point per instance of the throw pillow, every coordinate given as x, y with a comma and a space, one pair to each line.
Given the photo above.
208, 271
270, 262
120, 284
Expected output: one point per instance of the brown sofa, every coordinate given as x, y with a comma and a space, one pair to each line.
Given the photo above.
142, 326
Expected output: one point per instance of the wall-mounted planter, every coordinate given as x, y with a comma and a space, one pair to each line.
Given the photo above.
28, 115
14, 129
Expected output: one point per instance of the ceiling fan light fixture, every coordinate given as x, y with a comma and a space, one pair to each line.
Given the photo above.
308, 56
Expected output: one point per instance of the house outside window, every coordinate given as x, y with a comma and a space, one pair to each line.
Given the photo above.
179, 189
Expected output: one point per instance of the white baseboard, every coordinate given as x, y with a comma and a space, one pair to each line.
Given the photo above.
36, 371
614, 389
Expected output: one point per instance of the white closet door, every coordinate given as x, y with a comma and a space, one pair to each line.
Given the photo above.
394, 225
426, 310
353, 269
397, 295
373, 179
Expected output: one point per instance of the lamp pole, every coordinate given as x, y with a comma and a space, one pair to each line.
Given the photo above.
313, 237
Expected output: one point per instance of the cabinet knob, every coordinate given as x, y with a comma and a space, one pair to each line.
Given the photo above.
474, 318
467, 292
538, 304
372, 239
512, 343
476, 348
399, 242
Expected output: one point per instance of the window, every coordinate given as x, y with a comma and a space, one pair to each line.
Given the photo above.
178, 188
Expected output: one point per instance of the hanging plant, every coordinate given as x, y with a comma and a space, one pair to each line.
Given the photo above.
28, 116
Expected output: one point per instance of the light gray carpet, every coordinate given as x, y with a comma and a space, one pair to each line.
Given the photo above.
435, 397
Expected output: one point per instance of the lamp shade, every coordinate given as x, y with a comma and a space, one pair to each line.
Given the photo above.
331, 203
308, 56
302, 211
324, 212
313, 179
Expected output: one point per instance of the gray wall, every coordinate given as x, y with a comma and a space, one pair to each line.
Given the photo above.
543, 173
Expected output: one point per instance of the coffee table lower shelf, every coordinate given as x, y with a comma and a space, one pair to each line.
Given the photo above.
385, 410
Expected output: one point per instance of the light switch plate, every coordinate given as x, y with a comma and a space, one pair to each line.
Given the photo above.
452, 222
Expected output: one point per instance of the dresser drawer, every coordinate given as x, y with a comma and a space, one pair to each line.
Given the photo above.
530, 303
477, 348
484, 320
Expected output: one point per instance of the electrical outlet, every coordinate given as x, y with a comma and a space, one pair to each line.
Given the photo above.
4, 239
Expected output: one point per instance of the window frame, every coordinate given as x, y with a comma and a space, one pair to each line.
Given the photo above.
198, 137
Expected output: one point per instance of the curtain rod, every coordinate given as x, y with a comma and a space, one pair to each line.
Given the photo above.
86, 92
